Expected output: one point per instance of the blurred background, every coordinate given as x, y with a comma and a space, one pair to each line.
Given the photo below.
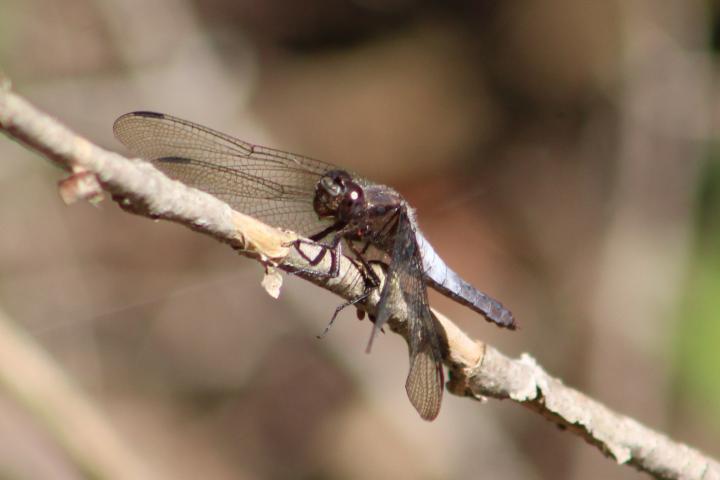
559, 154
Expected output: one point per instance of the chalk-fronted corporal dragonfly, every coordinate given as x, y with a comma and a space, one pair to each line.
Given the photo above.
326, 204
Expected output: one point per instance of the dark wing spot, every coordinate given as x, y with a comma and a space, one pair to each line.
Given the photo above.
143, 113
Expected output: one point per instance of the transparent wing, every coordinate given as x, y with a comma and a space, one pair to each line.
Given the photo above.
274, 186
425, 381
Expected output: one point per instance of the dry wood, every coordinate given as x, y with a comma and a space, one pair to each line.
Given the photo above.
477, 370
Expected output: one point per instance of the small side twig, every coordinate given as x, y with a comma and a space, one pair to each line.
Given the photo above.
476, 369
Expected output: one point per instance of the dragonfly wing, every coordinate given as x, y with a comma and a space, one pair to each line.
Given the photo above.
274, 186
425, 381
424, 384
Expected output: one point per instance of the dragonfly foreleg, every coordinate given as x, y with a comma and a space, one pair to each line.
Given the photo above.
335, 249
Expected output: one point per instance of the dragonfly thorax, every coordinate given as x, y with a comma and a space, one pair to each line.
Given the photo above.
338, 196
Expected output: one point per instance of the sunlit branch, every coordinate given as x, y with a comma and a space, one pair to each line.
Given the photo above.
476, 370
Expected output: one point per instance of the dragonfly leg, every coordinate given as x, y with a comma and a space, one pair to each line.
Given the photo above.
371, 283
371, 280
342, 307
324, 233
315, 240
311, 260
365, 248
335, 249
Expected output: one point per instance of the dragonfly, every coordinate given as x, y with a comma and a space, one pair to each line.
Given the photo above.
334, 207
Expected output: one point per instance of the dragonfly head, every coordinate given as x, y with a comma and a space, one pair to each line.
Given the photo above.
338, 196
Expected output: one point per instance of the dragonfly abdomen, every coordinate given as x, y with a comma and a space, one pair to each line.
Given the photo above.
444, 280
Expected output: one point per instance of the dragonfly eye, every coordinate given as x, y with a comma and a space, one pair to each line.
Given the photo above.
330, 186
352, 200
336, 195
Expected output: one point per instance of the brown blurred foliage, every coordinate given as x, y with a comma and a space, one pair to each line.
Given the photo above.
553, 150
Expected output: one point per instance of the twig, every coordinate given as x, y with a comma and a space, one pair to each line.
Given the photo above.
29, 376
476, 369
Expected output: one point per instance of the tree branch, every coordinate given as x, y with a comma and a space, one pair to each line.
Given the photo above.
476, 369
29, 376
